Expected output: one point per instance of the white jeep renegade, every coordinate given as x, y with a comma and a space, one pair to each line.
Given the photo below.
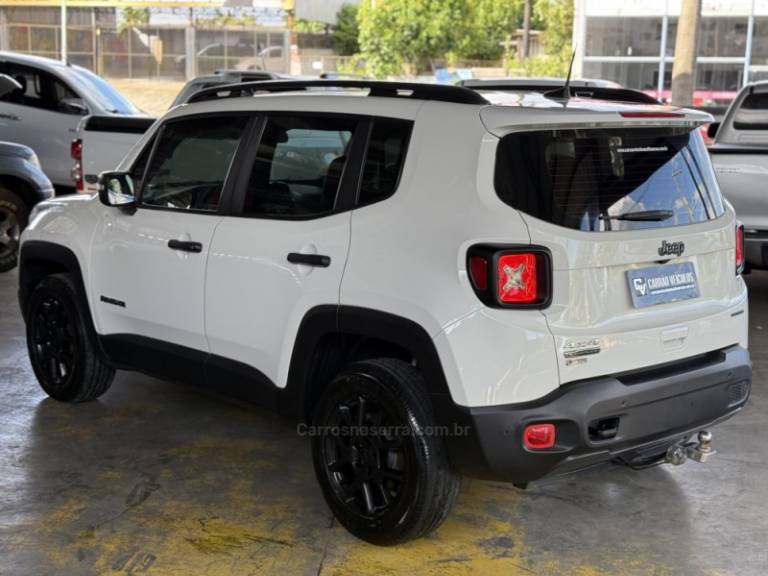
431, 279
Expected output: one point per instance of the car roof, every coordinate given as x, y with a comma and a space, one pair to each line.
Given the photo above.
37, 61
400, 99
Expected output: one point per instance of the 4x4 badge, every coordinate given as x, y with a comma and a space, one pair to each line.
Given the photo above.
671, 248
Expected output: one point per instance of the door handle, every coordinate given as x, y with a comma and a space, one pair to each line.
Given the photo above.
185, 246
9, 117
318, 260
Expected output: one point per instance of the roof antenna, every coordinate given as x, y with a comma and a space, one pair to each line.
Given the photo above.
565, 91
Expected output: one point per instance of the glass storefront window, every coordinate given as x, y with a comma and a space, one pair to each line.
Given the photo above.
637, 75
623, 36
717, 36
717, 84
723, 37
720, 77
760, 41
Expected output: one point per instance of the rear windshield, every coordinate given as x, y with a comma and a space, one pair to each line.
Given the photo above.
753, 113
609, 179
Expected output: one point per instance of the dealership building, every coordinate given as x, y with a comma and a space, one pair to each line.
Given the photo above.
633, 42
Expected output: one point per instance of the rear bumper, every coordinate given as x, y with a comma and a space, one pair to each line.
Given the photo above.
756, 248
656, 406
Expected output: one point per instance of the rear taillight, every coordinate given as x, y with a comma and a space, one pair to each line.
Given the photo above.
740, 257
76, 152
511, 276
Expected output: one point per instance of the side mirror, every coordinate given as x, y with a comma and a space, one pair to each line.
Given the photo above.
73, 106
116, 190
8, 85
712, 130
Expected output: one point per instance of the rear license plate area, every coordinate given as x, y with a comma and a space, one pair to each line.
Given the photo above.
662, 284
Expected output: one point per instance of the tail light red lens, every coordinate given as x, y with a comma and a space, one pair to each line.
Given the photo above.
740, 256
510, 276
76, 152
654, 114
517, 278
478, 272
76, 149
539, 436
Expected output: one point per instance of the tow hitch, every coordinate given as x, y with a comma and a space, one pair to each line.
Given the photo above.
676, 454
699, 451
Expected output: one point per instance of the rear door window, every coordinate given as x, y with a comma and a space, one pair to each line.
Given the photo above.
299, 166
609, 179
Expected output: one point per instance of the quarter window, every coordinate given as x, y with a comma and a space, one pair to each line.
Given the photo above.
753, 114
299, 166
191, 162
384, 159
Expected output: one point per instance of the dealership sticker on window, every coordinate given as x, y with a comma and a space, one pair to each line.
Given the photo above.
663, 284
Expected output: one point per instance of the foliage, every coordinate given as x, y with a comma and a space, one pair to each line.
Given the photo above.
133, 17
557, 38
490, 22
402, 36
308, 26
405, 36
346, 31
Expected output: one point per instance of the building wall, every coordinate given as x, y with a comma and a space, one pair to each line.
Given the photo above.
633, 42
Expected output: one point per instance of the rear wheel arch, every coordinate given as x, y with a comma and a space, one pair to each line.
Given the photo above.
330, 338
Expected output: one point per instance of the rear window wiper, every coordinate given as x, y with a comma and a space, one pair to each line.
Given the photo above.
642, 216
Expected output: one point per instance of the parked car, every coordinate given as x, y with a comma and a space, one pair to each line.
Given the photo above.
740, 158
103, 141
22, 185
248, 57
52, 99
520, 292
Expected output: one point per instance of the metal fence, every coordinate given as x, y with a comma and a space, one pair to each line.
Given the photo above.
152, 52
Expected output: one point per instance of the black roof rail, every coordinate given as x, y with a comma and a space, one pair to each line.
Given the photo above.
438, 92
591, 92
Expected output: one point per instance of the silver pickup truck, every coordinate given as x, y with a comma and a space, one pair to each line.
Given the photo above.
740, 159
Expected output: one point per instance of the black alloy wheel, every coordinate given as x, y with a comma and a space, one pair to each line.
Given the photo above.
365, 457
385, 474
54, 342
62, 344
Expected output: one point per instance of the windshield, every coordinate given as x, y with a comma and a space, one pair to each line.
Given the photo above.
609, 179
108, 98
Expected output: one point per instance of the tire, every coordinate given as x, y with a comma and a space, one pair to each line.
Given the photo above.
395, 484
61, 343
14, 215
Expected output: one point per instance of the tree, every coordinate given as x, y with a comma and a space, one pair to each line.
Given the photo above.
346, 31
556, 18
488, 23
133, 18
399, 36
525, 49
402, 36
684, 68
